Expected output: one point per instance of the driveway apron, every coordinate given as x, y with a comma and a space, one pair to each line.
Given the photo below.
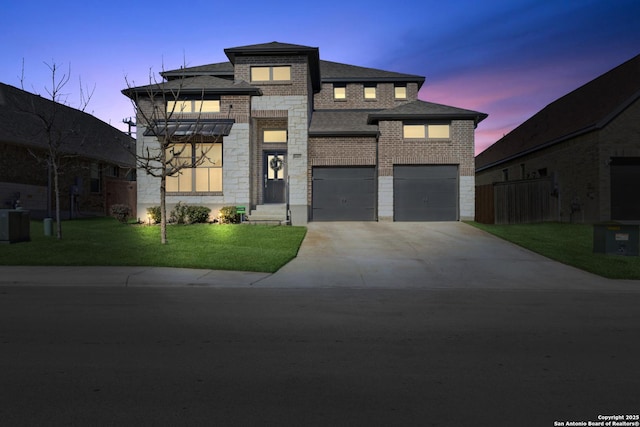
424, 255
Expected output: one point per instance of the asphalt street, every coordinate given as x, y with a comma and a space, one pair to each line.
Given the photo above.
197, 356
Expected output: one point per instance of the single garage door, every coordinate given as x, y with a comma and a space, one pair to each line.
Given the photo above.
344, 194
425, 193
625, 188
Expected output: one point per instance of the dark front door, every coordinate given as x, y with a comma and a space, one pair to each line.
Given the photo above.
275, 176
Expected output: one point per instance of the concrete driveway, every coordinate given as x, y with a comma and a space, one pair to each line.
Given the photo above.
424, 255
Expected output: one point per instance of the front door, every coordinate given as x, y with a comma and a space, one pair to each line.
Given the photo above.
274, 176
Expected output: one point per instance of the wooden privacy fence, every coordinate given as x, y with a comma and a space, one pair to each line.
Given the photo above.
516, 202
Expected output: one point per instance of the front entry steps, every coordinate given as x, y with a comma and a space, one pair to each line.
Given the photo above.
272, 213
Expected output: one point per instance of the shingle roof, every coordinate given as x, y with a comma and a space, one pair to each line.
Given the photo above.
588, 108
84, 134
195, 85
335, 72
422, 110
220, 69
270, 49
341, 122
331, 72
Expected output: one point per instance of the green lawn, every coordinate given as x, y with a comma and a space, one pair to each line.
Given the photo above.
105, 241
570, 244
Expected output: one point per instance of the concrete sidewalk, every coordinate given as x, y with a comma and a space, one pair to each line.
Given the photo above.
125, 276
447, 255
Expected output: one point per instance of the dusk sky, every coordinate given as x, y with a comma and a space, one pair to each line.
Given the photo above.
506, 58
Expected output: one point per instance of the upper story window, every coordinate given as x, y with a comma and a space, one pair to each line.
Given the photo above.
274, 136
339, 92
424, 131
400, 92
370, 92
271, 74
194, 106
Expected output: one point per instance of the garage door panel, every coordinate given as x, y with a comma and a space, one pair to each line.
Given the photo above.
425, 193
343, 194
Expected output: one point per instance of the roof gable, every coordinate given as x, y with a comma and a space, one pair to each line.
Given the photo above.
589, 107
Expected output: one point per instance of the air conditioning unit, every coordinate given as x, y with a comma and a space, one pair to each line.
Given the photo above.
14, 226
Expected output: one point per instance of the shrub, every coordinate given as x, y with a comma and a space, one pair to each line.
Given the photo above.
198, 214
229, 215
179, 213
120, 212
155, 214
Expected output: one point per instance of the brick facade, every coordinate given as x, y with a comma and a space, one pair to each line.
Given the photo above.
30, 180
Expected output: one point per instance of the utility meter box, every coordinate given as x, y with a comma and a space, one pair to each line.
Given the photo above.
614, 238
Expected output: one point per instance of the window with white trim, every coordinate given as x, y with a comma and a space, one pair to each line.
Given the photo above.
339, 92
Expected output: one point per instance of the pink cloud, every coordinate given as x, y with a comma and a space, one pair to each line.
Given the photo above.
509, 96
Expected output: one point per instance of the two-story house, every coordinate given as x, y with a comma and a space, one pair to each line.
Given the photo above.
302, 139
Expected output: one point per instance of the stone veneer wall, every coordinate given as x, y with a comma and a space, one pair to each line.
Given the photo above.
235, 176
297, 153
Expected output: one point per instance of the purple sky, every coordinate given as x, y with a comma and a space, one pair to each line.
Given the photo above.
506, 58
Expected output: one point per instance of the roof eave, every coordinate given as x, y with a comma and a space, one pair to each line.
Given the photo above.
417, 80
477, 118
253, 91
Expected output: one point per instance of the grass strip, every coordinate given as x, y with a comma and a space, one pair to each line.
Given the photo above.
106, 242
570, 244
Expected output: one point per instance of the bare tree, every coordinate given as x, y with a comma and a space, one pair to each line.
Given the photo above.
57, 126
182, 139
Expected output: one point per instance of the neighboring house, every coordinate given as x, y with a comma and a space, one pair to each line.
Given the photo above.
581, 153
304, 139
97, 168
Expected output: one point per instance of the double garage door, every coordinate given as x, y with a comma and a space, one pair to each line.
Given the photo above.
421, 193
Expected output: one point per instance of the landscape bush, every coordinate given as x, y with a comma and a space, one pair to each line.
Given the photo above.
198, 214
178, 214
155, 214
182, 213
120, 212
229, 215
185, 214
